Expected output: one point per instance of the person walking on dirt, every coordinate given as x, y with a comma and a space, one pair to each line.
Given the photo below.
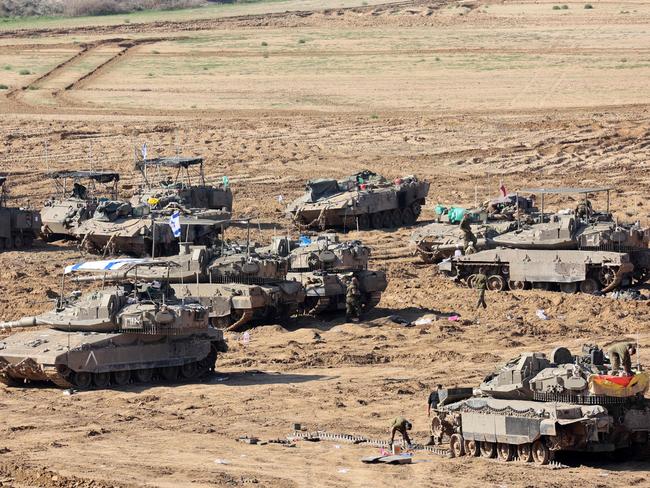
353, 301
480, 283
401, 425
619, 354
468, 235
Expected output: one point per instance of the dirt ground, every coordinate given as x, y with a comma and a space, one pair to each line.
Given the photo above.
464, 94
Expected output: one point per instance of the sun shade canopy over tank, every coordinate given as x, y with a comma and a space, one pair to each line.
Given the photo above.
170, 162
99, 176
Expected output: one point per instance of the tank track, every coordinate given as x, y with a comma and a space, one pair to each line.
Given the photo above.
437, 450
321, 306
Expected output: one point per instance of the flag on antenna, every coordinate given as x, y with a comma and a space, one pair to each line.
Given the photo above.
175, 223
144, 151
504, 192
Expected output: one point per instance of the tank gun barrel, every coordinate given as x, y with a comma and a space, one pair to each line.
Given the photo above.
23, 323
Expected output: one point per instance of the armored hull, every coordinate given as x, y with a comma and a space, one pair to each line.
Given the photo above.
365, 200
61, 217
18, 226
535, 406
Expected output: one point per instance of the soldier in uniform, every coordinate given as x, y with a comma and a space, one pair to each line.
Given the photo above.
583, 210
619, 354
353, 300
480, 283
401, 425
466, 228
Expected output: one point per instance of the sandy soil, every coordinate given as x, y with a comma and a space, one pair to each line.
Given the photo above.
465, 95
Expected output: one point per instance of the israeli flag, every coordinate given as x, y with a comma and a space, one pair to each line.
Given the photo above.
304, 241
144, 151
175, 223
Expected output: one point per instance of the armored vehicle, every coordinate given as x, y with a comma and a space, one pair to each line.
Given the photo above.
361, 201
440, 240
134, 331
18, 226
573, 250
143, 225
235, 283
69, 207
535, 406
325, 267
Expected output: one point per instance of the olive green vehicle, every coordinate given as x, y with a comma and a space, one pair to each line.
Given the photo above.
325, 266
237, 284
140, 227
538, 405
582, 250
74, 203
18, 226
131, 332
362, 201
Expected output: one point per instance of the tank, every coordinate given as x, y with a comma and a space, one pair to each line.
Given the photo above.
75, 203
235, 283
325, 266
439, 240
537, 405
132, 332
364, 200
582, 250
199, 211
18, 226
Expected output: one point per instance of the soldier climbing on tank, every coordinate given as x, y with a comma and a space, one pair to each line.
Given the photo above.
79, 191
619, 354
466, 228
353, 301
480, 283
401, 425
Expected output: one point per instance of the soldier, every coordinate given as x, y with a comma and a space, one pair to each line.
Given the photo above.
79, 191
583, 210
353, 301
434, 399
401, 425
480, 283
620, 353
466, 228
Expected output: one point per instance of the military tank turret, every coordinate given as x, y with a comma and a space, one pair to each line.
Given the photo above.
581, 250
134, 331
325, 267
364, 200
69, 207
537, 405
18, 226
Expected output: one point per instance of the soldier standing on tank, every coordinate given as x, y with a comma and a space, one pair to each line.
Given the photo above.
466, 228
480, 283
353, 301
619, 354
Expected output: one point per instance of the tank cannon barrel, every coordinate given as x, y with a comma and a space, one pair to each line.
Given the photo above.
23, 323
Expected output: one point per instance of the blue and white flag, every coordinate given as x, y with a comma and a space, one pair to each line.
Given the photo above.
175, 223
110, 265
304, 241
144, 151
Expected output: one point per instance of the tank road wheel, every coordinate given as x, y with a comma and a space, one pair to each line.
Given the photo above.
101, 380
525, 453
470, 281
169, 373
395, 218
143, 375
408, 217
606, 276
189, 371
82, 380
472, 448
589, 286
364, 221
517, 285
377, 220
457, 445
488, 449
506, 451
541, 453
569, 287
121, 378
496, 283
540, 285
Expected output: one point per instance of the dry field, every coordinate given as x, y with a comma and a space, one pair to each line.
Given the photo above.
464, 94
